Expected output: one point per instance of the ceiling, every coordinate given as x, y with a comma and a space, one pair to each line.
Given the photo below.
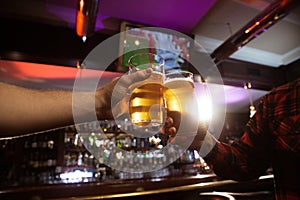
210, 21
279, 45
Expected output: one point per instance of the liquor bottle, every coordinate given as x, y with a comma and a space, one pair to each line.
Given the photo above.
34, 143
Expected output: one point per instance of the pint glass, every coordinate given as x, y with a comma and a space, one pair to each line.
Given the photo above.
146, 102
181, 103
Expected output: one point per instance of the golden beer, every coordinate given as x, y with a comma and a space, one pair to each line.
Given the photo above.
146, 103
181, 103
178, 94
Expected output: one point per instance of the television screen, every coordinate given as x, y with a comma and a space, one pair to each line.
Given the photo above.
173, 46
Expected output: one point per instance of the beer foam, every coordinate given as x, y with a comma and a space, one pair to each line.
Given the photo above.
179, 82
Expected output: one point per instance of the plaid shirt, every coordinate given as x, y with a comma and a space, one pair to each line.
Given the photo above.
271, 138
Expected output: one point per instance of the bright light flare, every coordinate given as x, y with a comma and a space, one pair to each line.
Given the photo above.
204, 102
204, 107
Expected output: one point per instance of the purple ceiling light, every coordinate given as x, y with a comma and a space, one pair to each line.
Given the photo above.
180, 15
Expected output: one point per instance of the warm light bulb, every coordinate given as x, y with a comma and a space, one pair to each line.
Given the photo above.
252, 111
83, 39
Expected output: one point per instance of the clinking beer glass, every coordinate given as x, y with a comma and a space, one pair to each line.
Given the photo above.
161, 95
181, 103
146, 101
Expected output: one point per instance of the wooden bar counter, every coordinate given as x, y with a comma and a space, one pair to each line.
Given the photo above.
177, 187
33, 169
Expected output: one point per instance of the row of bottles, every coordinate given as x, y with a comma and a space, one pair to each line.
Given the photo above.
30, 159
120, 134
82, 152
75, 153
107, 140
39, 141
39, 158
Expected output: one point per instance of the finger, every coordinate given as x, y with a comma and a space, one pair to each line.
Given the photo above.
169, 131
172, 131
139, 75
169, 122
136, 76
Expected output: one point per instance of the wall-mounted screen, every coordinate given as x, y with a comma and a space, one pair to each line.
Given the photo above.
173, 46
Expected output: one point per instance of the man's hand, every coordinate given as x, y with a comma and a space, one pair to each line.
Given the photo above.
111, 98
171, 126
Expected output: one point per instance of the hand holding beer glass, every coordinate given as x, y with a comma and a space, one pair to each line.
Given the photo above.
146, 101
160, 96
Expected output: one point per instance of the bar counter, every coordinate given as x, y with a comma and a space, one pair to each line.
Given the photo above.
176, 187
43, 166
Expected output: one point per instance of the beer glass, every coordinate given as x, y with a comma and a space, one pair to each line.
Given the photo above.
146, 102
181, 103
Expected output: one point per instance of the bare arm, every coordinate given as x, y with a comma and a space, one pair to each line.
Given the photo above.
26, 110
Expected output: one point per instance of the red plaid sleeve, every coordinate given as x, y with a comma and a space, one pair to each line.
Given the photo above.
271, 138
